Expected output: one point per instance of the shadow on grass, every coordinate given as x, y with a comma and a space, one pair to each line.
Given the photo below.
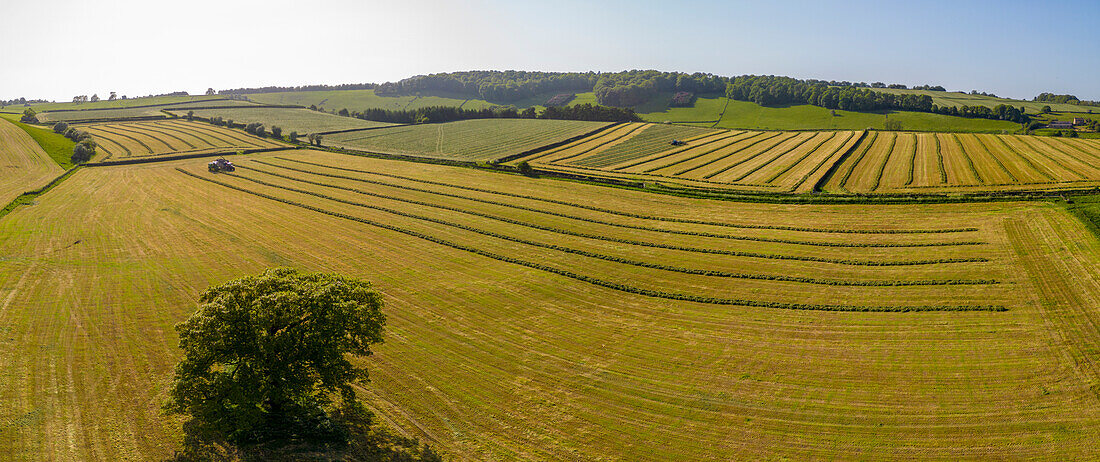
355, 437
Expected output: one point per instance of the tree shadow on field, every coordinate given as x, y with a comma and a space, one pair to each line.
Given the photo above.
356, 437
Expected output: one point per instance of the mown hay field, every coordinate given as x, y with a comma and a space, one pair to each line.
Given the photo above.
466, 140
23, 164
956, 162
116, 104
358, 100
164, 137
302, 121
749, 160
539, 319
865, 162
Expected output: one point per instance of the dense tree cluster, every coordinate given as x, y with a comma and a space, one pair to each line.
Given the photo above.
29, 116
631, 88
20, 102
771, 91
273, 89
436, 114
767, 90
501, 86
1063, 99
255, 128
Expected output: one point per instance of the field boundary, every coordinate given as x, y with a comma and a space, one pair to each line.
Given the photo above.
28, 196
138, 106
151, 159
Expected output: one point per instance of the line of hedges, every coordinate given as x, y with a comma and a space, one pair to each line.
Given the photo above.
841, 261
600, 222
648, 217
615, 285
120, 119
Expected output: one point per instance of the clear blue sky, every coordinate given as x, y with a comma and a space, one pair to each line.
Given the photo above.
58, 49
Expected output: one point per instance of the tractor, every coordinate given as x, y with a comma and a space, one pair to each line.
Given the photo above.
678, 143
220, 165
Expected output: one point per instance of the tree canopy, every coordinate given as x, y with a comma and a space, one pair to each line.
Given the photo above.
266, 356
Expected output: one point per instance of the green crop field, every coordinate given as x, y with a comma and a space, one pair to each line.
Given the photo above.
553, 320
155, 138
302, 121
24, 164
467, 140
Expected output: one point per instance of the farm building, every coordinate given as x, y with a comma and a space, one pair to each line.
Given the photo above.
1060, 124
1080, 121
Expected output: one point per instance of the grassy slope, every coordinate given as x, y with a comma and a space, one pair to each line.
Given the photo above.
489, 360
24, 164
302, 121
477, 140
947, 98
747, 115
59, 148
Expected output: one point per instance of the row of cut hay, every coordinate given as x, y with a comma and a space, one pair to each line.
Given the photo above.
736, 166
641, 161
171, 137
800, 142
679, 158
622, 213
821, 147
702, 144
599, 281
798, 178
593, 144
424, 205
467, 196
655, 141
729, 153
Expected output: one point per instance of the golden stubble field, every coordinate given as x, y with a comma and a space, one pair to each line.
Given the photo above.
489, 358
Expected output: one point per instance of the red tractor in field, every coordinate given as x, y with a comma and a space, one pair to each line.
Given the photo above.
220, 165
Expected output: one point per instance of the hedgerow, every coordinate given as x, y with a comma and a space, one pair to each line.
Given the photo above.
649, 217
610, 284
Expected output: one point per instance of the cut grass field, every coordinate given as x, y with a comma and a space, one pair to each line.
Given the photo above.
877, 162
946, 162
537, 319
748, 115
467, 140
23, 163
123, 140
302, 121
59, 148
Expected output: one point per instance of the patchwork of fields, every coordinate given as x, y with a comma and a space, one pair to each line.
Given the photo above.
537, 319
865, 162
23, 164
163, 137
302, 121
466, 140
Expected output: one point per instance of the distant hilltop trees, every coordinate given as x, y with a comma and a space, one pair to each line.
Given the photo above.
1063, 99
246, 91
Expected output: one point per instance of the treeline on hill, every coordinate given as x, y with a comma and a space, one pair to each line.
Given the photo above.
435, 114
767, 90
1063, 99
626, 88
346, 86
